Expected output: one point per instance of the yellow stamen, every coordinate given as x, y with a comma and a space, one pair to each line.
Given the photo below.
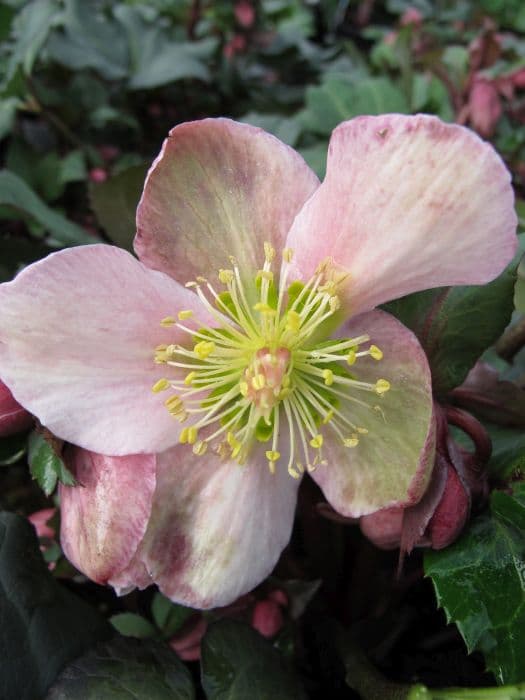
200, 447
185, 314
293, 321
351, 442
269, 252
382, 386
190, 377
351, 357
375, 352
204, 348
226, 276
328, 377
272, 455
328, 417
264, 308
161, 385
167, 321
287, 255
317, 442
259, 382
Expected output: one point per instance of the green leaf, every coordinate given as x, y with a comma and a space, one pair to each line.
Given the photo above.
519, 289
14, 192
508, 452
237, 663
90, 40
287, 129
158, 59
31, 27
337, 100
480, 583
43, 625
455, 325
8, 108
132, 625
125, 669
115, 201
169, 617
12, 448
45, 466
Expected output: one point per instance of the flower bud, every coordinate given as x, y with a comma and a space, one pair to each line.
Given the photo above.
13, 417
187, 643
451, 513
244, 13
484, 107
267, 618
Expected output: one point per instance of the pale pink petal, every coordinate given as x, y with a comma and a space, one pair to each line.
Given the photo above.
408, 203
104, 518
77, 338
216, 529
218, 188
391, 464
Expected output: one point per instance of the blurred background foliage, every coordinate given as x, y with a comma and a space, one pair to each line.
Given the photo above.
88, 91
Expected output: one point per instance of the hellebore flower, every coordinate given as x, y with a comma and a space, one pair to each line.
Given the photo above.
250, 314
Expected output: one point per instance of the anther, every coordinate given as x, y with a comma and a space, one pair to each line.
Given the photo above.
226, 276
317, 442
351, 357
328, 377
204, 349
351, 442
200, 447
167, 321
382, 386
185, 314
269, 251
188, 379
287, 255
161, 385
375, 352
272, 455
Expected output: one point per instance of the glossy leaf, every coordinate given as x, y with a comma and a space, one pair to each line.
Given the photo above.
237, 663
115, 201
508, 452
455, 325
46, 466
337, 100
14, 192
479, 582
43, 625
90, 40
125, 669
132, 625
169, 617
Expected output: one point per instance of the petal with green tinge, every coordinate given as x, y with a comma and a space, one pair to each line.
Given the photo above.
103, 519
392, 463
216, 529
217, 189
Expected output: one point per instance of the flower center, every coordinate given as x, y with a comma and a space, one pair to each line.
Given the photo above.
263, 372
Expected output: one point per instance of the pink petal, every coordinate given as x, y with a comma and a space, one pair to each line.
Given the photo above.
216, 529
13, 417
77, 335
408, 203
391, 464
104, 517
218, 188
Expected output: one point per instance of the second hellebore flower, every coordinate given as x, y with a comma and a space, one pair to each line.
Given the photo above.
243, 349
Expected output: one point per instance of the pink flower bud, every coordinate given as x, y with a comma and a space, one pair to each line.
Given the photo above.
484, 107
384, 527
518, 78
13, 417
411, 16
39, 519
187, 643
267, 618
108, 152
451, 513
244, 13
235, 45
98, 175
279, 596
